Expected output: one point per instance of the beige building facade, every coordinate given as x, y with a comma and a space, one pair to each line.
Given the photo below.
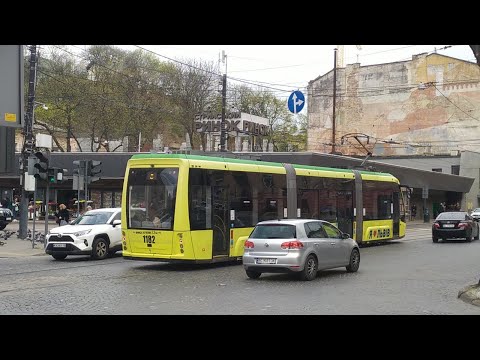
428, 105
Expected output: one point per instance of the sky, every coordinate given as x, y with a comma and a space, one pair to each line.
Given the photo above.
291, 67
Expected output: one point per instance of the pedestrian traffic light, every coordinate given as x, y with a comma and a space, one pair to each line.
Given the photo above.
51, 176
55, 175
41, 165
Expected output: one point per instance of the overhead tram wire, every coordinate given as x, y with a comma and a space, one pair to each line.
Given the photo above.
260, 84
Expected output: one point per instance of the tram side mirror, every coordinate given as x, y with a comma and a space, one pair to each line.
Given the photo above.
242, 239
116, 222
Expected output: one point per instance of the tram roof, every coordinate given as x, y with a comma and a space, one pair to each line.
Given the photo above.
247, 161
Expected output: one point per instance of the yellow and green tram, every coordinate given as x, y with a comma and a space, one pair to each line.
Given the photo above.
180, 208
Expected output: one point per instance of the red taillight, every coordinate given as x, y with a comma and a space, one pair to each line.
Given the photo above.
462, 225
292, 245
437, 225
248, 245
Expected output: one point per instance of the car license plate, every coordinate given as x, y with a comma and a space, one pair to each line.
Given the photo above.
59, 245
8, 218
448, 225
266, 261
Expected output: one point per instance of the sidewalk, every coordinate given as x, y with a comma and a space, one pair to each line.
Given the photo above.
419, 223
16, 247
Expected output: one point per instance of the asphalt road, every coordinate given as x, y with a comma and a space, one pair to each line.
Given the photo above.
411, 276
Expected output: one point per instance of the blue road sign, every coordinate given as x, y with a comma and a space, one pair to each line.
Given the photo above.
296, 102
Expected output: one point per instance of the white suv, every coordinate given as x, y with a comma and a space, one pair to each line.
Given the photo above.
476, 214
96, 233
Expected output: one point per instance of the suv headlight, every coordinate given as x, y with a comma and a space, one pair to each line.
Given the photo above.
81, 233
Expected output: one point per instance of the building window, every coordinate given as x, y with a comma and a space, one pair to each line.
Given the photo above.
455, 169
437, 170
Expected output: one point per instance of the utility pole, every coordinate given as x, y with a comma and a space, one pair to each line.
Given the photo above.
87, 165
28, 144
47, 191
224, 104
334, 97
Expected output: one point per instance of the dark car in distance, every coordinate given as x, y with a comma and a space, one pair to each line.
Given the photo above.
455, 225
6, 217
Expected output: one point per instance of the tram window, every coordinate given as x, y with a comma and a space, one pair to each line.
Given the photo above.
377, 199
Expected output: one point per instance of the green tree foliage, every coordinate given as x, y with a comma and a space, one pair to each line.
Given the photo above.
102, 98
287, 132
61, 85
193, 89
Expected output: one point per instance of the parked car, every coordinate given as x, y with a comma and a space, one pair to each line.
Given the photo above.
96, 233
302, 246
475, 214
455, 224
6, 217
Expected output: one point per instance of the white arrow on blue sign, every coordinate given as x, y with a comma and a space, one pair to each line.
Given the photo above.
296, 102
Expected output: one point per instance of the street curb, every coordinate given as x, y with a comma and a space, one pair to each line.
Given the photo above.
470, 294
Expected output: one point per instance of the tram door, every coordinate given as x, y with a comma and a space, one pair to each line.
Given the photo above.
220, 221
345, 207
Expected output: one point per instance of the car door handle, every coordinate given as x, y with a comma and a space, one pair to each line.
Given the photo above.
316, 244
332, 243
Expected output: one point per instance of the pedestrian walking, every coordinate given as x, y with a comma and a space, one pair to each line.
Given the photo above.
62, 215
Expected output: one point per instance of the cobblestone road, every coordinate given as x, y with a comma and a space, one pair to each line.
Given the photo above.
412, 276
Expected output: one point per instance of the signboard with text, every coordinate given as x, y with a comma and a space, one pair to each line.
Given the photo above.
11, 85
236, 123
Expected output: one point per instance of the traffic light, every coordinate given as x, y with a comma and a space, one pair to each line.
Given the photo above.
41, 165
31, 169
55, 175
93, 168
51, 176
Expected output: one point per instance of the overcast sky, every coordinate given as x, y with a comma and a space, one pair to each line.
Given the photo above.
291, 67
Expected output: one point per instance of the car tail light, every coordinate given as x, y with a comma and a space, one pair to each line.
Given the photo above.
462, 225
437, 225
292, 245
249, 244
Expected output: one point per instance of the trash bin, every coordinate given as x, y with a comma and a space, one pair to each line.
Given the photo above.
426, 216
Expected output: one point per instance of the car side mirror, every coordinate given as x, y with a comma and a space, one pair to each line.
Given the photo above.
116, 222
345, 236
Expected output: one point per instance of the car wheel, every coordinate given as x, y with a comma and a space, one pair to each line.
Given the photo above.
469, 238
3, 226
435, 239
253, 274
310, 269
99, 249
354, 261
59, 256
478, 233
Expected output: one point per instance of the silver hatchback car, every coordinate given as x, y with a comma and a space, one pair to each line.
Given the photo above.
302, 246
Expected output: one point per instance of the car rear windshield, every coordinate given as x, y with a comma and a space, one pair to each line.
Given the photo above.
274, 231
452, 216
